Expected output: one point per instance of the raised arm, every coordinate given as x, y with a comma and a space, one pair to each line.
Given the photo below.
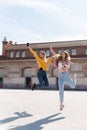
32, 51
52, 51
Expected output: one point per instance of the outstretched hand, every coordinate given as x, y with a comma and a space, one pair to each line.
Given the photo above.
52, 51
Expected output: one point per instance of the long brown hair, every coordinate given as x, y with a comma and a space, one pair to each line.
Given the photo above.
60, 58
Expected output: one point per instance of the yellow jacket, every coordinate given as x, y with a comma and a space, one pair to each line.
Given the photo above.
42, 63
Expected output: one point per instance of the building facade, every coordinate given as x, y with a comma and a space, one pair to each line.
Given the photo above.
18, 68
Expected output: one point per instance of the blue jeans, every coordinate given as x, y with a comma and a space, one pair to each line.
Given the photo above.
65, 78
42, 77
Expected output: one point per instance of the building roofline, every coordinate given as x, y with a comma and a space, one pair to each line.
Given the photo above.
74, 43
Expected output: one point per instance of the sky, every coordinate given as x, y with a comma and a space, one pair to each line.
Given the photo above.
36, 21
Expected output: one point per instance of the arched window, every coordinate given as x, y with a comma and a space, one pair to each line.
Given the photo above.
29, 72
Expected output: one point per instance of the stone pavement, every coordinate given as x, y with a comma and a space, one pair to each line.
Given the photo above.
39, 110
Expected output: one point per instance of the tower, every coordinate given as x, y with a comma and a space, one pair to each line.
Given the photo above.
4, 44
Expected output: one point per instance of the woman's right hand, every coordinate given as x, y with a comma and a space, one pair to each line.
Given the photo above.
52, 51
28, 45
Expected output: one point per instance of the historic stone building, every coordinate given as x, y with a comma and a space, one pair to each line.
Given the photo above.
18, 68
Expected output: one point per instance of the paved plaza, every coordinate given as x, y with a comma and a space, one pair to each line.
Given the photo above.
39, 110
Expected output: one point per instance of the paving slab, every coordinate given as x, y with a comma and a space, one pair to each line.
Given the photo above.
39, 110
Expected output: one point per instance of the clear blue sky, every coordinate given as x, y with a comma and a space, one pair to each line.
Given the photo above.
43, 20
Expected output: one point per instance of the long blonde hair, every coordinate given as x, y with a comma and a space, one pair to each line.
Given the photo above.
44, 55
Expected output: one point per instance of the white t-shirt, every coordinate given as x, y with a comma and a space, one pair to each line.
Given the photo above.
60, 65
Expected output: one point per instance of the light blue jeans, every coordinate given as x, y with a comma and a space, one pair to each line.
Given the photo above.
63, 78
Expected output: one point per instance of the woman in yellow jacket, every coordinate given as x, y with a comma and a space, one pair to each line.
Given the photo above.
42, 63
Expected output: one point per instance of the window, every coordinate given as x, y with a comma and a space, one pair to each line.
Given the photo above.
11, 54
86, 51
73, 51
47, 53
67, 50
59, 51
17, 54
23, 54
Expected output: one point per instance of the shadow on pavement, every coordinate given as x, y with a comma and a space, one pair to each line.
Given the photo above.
18, 115
37, 125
